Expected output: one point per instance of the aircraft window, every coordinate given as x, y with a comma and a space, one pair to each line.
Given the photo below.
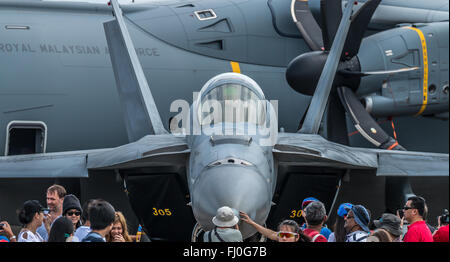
232, 103
26, 137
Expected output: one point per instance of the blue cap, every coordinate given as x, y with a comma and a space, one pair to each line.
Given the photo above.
308, 200
343, 209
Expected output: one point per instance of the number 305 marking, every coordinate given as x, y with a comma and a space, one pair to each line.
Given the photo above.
161, 212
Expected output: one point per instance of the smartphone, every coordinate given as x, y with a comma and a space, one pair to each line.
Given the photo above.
46, 211
400, 212
1, 226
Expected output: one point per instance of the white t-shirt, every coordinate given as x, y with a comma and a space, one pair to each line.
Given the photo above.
357, 236
28, 236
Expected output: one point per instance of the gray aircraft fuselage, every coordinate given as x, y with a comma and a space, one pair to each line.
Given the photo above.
55, 66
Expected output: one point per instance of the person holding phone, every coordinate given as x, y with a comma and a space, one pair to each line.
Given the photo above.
6, 228
54, 197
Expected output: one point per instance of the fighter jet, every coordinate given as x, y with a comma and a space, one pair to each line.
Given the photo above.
224, 150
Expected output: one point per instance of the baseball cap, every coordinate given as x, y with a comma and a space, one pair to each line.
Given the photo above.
33, 206
307, 201
343, 209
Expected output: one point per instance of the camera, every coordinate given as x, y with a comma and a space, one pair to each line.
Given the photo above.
443, 219
1, 226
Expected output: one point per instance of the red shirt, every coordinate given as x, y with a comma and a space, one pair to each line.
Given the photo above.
418, 232
441, 235
312, 233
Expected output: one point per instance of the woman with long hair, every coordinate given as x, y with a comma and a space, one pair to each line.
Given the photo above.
340, 234
62, 230
119, 231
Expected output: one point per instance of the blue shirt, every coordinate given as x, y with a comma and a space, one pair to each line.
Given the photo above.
43, 232
93, 237
82, 232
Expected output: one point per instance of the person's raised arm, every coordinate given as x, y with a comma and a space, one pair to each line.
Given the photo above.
264, 231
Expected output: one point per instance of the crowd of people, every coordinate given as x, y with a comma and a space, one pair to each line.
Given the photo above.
353, 224
65, 220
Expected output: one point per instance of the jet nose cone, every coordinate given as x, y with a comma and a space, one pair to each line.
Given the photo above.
241, 188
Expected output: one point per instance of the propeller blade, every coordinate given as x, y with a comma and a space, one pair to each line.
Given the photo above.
336, 121
320, 97
331, 15
385, 72
306, 23
303, 118
360, 21
364, 123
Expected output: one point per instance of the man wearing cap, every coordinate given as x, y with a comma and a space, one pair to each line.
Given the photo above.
324, 230
392, 224
357, 224
227, 229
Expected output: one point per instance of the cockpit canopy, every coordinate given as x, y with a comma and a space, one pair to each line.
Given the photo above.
231, 98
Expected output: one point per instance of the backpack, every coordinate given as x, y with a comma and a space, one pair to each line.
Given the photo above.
314, 238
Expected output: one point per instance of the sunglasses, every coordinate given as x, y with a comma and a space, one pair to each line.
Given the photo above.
349, 217
406, 208
77, 213
282, 234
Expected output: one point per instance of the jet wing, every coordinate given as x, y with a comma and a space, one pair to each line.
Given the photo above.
404, 163
151, 150
314, 150
49, 165
164, 148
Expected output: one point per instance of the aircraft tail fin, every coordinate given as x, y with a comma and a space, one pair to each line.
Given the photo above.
140, 112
